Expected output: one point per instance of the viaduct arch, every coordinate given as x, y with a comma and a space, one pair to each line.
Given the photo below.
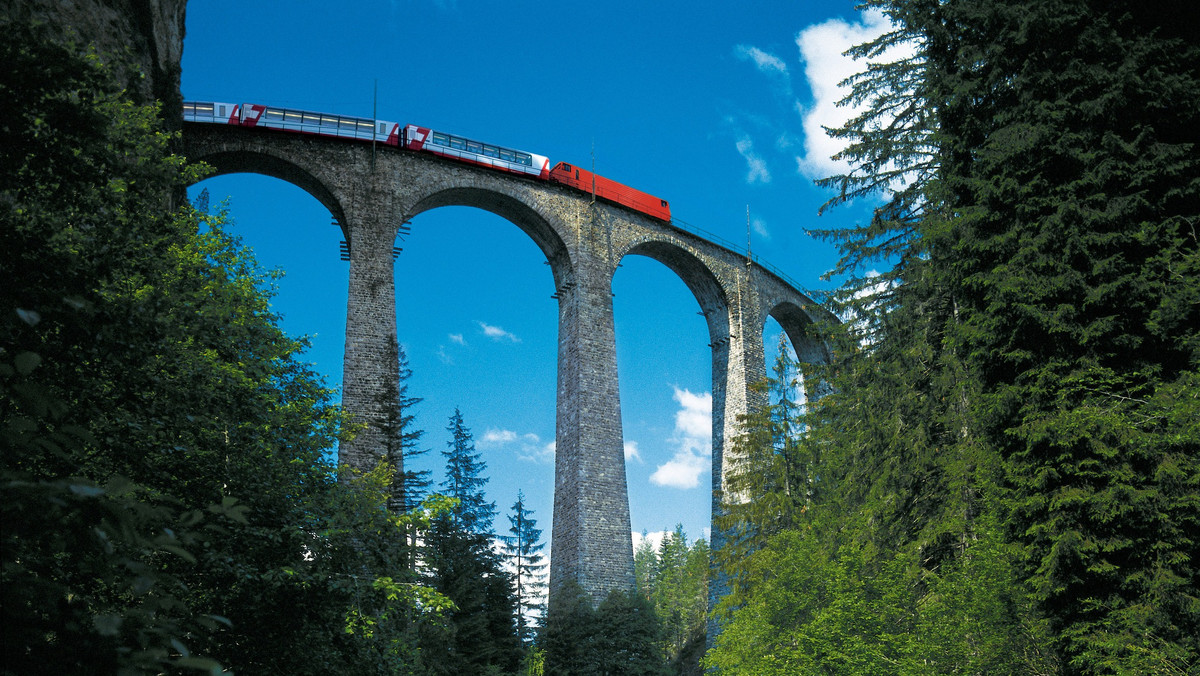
372, 192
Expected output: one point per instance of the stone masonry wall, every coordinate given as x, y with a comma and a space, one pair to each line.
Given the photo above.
583, 243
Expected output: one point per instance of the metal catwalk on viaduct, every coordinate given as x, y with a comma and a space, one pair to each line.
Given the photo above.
372, 193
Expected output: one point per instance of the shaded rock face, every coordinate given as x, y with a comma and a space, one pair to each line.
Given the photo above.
143, 39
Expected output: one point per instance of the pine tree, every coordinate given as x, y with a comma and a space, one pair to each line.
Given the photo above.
645, 561
1021, 416
680, 592
465, 480
166, 503
1071, 161
891, 478
619, 637
402, 440
464, 566
523, 550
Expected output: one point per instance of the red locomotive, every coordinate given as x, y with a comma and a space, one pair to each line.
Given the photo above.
423, 139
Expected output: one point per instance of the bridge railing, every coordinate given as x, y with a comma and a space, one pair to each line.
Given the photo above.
742, 251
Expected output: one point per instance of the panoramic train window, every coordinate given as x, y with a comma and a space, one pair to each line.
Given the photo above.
456, 143
441, 139
491, 151
273, 114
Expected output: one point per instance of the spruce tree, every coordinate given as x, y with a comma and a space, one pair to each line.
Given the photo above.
464, 566
167, 504
894, 470
1072, 165
621, 636
523, 550
402, 440
1014, 404
680, 593
465, 479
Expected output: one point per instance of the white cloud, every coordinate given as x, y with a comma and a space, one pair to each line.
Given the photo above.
760, 228
458, 338
767, 63
655, 539
631, 451
825, 67
757, 171
495, 436
694, 419
536, 451
528, 446
445, 358
682, 471
497, 333
693, 440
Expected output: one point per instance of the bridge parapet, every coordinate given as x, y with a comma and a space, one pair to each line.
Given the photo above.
371, 192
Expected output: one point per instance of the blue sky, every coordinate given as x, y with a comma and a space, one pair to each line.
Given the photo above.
711, 106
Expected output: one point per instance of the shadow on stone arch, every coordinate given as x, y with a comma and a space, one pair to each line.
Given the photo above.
698, 278
250, 162
802, 327
513, 210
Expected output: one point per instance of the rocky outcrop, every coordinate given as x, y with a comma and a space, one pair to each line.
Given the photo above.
142, 39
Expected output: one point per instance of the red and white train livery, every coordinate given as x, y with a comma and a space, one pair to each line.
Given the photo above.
475, 152
423, 139
286, 119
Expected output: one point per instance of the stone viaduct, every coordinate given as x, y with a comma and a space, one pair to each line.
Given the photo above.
371, 192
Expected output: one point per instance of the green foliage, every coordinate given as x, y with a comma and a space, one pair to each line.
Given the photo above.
523, 550
481, 630
1006, 467
461, 563
1078, 185
166, 504
677, 586
402, 439
84, 586
619, 637
465, 479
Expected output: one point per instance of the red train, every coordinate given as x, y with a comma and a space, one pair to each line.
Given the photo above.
606, 188
423, 139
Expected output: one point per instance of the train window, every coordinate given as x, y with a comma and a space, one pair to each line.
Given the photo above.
331, 121
367, 126
291, 116
273, 114
474, 147
524, 159
566, 167
491, 151
457, 143
441, 139
507, 155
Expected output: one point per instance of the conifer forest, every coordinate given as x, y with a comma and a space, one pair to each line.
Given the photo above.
998, 472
